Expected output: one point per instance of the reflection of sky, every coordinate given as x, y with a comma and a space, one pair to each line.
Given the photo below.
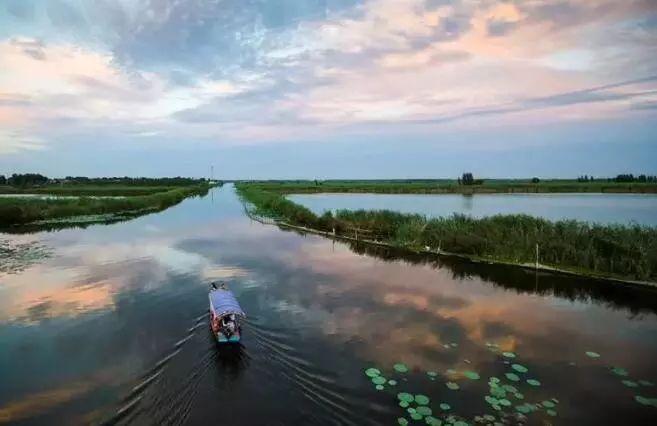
115, 298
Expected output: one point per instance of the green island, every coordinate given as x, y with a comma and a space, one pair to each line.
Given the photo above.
466, 185
620, 252
33, 201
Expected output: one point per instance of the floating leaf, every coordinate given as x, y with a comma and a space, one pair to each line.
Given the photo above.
491, 400
498, 392
416, 416
533, 382
551, 413
379, 387
489, 417
524, 408
508, 354
519, 368
471, 375
510, 388
592, 354
512, 376
424, 411
452, 385
646, 383
400, 368
392, 382
402, 421
432, 421
444, 406
372, 372
460, 423
630, 383
411, 410
619, 371
505, 402
403, 404
378, 380
548, 404
454, 344
432, 373
421, 399
405, 397
518, 395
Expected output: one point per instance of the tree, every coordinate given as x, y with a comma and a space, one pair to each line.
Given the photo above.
467, 179
3, 180
535, 180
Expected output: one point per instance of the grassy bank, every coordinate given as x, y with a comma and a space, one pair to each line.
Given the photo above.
627, 252
447, 186
88, 190
21, 211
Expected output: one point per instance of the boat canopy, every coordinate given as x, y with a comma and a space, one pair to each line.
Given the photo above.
222, 302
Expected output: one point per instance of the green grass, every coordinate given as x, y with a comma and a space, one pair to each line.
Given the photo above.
88, 190
628, 252
447, 186
21, 211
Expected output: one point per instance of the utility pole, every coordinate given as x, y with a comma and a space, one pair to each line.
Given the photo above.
211, 172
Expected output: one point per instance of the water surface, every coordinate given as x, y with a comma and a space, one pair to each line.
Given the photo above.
111, 324
599, 208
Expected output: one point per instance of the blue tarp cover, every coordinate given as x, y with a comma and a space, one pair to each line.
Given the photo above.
223, 302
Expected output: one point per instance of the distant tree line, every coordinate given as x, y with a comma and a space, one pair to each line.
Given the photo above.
468, 179
27, 179
125, 180
631, 178
36, 179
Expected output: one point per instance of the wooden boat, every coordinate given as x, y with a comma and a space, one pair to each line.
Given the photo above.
225, 314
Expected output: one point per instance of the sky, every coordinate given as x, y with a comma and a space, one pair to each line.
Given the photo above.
328, 88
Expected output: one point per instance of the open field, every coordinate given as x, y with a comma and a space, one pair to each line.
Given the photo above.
627, 252
451, 186
131, 200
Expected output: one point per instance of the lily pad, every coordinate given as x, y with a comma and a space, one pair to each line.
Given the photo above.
421, 399
524, 409
548, 404
411, 410
489, 417
416, 416
619, 371
400, 368
508, 354
533, 382
505, 402
518, 395
519, 368
551, 413
379, 387
402, 421
432, 373
403, 404
432, 421
372, 372
460, 423
405, 396
646, 383
378, 380
444, 406
498, 392
510, 388
471, 375
424, 411
392, 382
591, 354
452, 385
512, 376
630, 383
492, 401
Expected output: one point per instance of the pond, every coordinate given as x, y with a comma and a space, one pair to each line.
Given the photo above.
598, 208
110, 323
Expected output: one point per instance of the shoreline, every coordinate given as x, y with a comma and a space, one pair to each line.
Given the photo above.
442, 253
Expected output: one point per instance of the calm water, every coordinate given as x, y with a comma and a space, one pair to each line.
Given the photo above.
112, 319
599, 208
